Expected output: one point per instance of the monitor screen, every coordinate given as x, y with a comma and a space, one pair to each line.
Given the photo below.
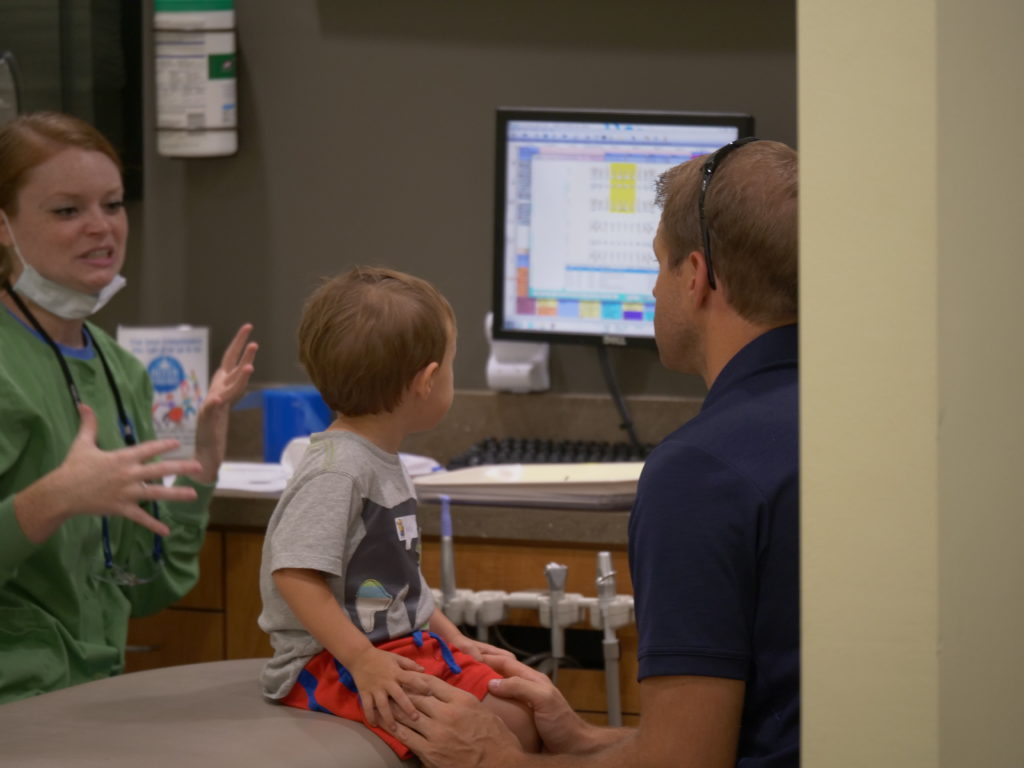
575, 217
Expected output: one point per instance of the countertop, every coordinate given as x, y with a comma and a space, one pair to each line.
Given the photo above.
490, 523
473, 416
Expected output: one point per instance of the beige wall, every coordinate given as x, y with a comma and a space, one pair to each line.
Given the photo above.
981, 382
913, 582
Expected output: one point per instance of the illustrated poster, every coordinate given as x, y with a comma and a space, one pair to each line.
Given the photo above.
177, 361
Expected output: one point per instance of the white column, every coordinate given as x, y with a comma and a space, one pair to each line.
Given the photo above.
912, 262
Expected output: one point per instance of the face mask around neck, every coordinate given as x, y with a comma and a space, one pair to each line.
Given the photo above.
57, 299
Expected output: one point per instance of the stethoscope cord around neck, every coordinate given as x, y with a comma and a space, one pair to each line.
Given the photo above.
72, 389
127, 431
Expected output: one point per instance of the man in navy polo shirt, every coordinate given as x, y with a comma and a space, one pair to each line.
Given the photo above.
713, 538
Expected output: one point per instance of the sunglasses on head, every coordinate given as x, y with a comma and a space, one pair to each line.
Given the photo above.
713, 161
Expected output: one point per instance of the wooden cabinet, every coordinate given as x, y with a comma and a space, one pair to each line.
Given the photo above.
173, 637
245, 640
192, 630
217, 620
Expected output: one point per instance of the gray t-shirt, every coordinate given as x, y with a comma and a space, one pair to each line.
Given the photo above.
349, 512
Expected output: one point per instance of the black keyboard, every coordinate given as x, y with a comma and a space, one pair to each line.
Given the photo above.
527, 450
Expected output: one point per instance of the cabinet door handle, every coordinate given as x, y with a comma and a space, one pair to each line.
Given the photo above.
141, 648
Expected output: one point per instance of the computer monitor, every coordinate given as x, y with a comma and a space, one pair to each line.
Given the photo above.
575, 217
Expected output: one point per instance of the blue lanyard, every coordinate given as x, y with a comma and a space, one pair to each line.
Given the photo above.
127, 431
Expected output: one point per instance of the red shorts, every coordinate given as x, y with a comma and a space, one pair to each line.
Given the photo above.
324, 685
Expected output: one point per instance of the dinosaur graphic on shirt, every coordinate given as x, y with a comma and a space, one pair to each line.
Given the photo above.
382, 577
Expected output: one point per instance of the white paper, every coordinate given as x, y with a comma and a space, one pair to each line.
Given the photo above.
251, 478
610, 485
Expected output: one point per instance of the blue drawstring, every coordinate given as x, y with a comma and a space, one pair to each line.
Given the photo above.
446, 652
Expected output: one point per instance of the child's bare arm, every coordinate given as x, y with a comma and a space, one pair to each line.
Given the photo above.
378, 675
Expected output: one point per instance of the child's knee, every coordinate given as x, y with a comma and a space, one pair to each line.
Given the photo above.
518, 718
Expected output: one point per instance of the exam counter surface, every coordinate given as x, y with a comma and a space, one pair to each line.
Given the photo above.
199, 715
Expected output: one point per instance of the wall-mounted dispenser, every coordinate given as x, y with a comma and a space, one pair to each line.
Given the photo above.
196, 109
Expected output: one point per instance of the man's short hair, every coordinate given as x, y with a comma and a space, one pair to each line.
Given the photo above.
366, 333
751, 210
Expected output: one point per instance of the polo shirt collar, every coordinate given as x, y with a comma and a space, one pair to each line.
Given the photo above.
773, 349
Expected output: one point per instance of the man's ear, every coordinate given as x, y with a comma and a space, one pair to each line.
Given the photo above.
697, 276
423, 381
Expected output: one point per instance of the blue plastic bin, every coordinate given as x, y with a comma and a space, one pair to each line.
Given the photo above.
291, 412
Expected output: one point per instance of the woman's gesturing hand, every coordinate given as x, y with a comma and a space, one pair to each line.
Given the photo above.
92, 481
227, 386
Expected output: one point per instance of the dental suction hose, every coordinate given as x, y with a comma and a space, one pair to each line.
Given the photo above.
610, 641
556, 575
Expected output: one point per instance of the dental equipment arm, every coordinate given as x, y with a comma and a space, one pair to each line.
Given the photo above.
610, 641
556, 575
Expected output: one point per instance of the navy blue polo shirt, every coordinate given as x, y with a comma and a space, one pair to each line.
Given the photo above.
714, 546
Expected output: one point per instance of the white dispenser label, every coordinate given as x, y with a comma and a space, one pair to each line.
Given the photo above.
195, 79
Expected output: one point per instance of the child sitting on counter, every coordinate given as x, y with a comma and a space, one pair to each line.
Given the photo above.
349, 614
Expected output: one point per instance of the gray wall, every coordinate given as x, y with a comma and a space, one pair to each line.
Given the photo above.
366, 136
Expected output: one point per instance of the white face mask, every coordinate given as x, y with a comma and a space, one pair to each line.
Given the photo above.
55, 298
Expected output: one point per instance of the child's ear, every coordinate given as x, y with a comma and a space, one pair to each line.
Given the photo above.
423, 381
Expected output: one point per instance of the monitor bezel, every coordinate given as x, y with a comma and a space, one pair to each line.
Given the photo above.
744, 124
